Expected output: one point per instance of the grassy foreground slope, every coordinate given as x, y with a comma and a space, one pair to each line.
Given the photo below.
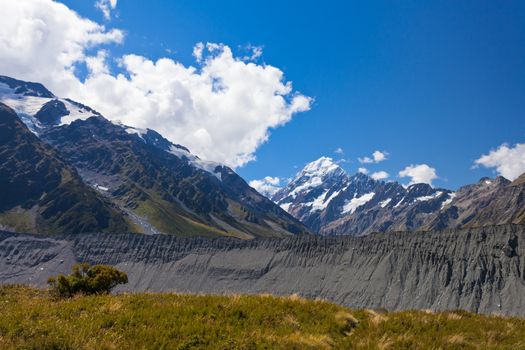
30, 319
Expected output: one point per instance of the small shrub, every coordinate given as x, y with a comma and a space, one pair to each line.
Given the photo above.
87, 279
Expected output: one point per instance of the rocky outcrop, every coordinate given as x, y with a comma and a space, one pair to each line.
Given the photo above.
480, 269
25, 88
488, 202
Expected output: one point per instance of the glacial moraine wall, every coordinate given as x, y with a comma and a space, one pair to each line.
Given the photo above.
480, 269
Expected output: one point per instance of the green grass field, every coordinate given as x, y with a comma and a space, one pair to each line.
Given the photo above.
31, 319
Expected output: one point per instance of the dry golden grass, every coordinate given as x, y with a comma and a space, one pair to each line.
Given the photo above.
31, 319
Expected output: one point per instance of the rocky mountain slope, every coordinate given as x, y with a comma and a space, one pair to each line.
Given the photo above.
40, 192
160, 186
331, 202
480, 269
156, 186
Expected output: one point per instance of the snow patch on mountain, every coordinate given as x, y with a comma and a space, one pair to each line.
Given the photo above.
286, 206
207, 166
449, 200
400, 202
332, 196
135, 131
27, 106
75, 113
430, 197
384, 203
313, 182
356, 202
322, 202
318, 203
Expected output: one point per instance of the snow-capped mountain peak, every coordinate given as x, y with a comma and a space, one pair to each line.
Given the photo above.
329, 201
39, 108
320, 175
313, 188
321, 167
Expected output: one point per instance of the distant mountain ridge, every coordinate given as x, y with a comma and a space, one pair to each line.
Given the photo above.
89, 174
153, 185
331, 202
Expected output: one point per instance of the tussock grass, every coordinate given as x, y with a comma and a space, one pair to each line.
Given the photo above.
32, 319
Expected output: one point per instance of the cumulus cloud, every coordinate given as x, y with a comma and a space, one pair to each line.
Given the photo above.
380, 175
362, 170
339, 150
106, 6
377, 157
508, 161
267, 186
420, 173
43, 40
223, 109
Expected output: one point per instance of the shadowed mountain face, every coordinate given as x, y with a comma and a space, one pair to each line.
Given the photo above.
480, 269
331, 202
25, 88
175, 191
41, 192
157, 186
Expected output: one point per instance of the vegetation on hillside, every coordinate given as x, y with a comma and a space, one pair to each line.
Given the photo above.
87, 279
31, 319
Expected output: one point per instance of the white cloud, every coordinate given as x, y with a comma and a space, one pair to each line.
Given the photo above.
339, 150
380, 175
508, 161
106, 6
365, 160
97, 64
363, 170
377, 157
267, 186
42, 40
420, 173
198, 49
223, 110
255, 53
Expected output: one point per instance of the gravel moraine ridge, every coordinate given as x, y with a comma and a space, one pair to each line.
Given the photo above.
480, 270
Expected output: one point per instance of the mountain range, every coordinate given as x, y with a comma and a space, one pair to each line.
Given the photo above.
65, 168
331, 202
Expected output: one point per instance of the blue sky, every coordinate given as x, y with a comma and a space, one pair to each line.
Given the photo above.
433, 82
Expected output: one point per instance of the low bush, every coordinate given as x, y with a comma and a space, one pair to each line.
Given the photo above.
87, 279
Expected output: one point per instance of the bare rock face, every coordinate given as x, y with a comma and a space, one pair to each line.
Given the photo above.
488, 202
478, 269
